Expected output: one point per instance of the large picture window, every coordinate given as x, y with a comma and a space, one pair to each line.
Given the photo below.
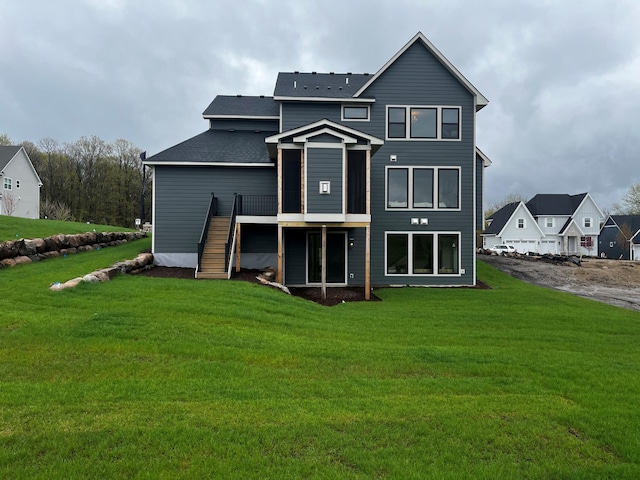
413, 188
420, 122
412, 253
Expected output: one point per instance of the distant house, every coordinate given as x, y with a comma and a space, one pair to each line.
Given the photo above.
548, 223
612, 242
19, 184
337, 179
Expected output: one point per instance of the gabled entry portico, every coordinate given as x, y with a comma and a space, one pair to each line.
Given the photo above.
324, 190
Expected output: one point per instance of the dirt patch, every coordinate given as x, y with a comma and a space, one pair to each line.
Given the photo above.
335, 295
616, 282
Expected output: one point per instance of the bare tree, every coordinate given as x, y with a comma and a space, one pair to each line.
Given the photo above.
624, 238
510, 198
9, 204
5, 140
630, 202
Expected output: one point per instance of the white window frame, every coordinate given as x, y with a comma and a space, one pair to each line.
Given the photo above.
7, 183
407, 125
346, 119
435, 192
436, 266
524, 223
18, 184
550, 220
587, 220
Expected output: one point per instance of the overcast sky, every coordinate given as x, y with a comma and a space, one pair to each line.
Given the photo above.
562, 77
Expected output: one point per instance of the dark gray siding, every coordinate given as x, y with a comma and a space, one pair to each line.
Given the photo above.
356, 256
608, 236
324, 164
298, 114
479, 194
259, 238
417, 78
244, 124
183, 194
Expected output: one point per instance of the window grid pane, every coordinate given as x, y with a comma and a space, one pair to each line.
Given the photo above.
448, 188
450, 123
423, 188
422, 254
423, 123
397, 188
397, 253
397, 123
448, 253
356, 113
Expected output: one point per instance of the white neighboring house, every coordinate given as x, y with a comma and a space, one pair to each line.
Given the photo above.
548, 223
19, 184
635, 246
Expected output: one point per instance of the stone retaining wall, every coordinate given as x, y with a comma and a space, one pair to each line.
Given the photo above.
16, 252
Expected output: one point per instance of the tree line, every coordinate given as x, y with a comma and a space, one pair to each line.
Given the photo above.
90, 180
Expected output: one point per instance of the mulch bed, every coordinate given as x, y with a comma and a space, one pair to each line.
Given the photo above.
335, 295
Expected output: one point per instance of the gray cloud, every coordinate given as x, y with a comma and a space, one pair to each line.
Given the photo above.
563, 78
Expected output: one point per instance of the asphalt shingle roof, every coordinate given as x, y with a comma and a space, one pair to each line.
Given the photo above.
554, 204
6, 154
500, 218
220, 146
325, 85
632, 220
241, 105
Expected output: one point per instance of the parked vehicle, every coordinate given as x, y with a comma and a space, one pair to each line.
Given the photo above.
503, 248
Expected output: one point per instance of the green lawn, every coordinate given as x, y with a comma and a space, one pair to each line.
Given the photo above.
12, 228
161, 378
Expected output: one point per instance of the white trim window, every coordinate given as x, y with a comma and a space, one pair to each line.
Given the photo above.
7, 183
355, 113
422, 188
423, 122
521, 223
586, 222
549, 222
422, 253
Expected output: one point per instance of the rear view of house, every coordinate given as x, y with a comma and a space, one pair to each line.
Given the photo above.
19, 184
337, 179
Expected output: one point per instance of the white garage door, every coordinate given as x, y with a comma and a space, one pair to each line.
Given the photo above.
523, 246
549, 246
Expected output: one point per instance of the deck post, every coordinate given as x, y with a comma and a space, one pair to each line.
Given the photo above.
279, 266
324, 262
367, 264
238, 247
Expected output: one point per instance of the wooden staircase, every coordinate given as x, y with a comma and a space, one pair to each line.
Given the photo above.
212, 264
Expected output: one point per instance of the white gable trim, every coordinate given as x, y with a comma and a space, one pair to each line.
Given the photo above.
481, 100
564, 232
602, 215
527, 213
486, 162
329, 131
326, 123
28, 161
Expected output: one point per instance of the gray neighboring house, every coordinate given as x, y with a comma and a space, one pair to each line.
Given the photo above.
19, 184
610, 243
337, 179
548, 223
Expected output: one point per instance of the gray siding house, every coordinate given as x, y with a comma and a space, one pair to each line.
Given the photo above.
19, 184
337, 179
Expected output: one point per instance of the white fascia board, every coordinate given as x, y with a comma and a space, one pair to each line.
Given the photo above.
486, 161
481, 100
209, 164
325, 99
329, 131
328, 123
240, 117
26, 156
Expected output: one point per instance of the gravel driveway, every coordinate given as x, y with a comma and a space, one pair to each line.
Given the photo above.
616, 282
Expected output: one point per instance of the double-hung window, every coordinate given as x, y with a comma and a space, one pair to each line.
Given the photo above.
587, 222
421, 188
413, 253
423, 122
7, 183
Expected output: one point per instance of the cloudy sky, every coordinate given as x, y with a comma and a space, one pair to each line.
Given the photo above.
562, 77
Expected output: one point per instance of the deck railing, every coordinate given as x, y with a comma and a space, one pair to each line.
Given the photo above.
237, 201
258, 205
211, 212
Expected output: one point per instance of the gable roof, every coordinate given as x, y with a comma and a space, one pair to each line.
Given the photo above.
481, 100
6, 154
632, 220
318, 85
500, 218
217, 147
240, 106
554, 204
486, 161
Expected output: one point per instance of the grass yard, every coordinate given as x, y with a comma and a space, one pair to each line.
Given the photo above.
12, 228
145, 377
